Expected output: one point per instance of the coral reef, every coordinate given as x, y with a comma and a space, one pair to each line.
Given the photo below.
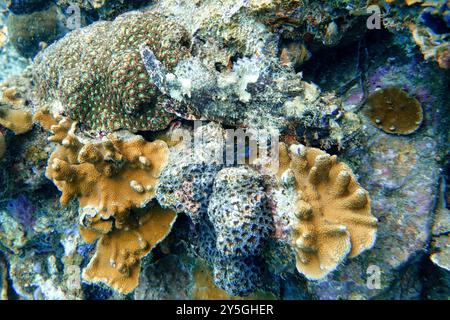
98, 77
332, 212
238, 96
394, 111
228, 206
234, 149
400, 173
186, 183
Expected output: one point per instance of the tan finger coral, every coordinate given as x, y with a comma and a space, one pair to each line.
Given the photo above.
117, 259
109, 177
332, 218
113, 180
394, 111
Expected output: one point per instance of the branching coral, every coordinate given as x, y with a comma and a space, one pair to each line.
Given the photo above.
98, 76
332, 217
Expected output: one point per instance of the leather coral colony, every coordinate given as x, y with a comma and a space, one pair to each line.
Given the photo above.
332, 217
113, 181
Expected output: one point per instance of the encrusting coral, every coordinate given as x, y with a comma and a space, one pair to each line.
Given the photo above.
332, 217
394, 111
238, 210
113, 180
97, 74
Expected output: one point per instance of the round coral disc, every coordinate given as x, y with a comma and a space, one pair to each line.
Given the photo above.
394, 111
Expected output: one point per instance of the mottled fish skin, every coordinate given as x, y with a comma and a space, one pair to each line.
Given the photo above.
155, 69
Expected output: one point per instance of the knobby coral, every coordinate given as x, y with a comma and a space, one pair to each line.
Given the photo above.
13, 114
113, 180
98, 76
109, 177
19, 121
117, 259
332, 217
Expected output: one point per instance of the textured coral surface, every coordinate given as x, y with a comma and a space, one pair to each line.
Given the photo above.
117, 259
332, 217
99, 78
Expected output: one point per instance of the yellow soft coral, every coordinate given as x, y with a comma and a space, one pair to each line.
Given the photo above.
117, 259
333, 217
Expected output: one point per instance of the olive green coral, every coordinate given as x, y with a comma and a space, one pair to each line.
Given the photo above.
96, 73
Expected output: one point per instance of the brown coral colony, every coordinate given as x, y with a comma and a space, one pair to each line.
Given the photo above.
394, 111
